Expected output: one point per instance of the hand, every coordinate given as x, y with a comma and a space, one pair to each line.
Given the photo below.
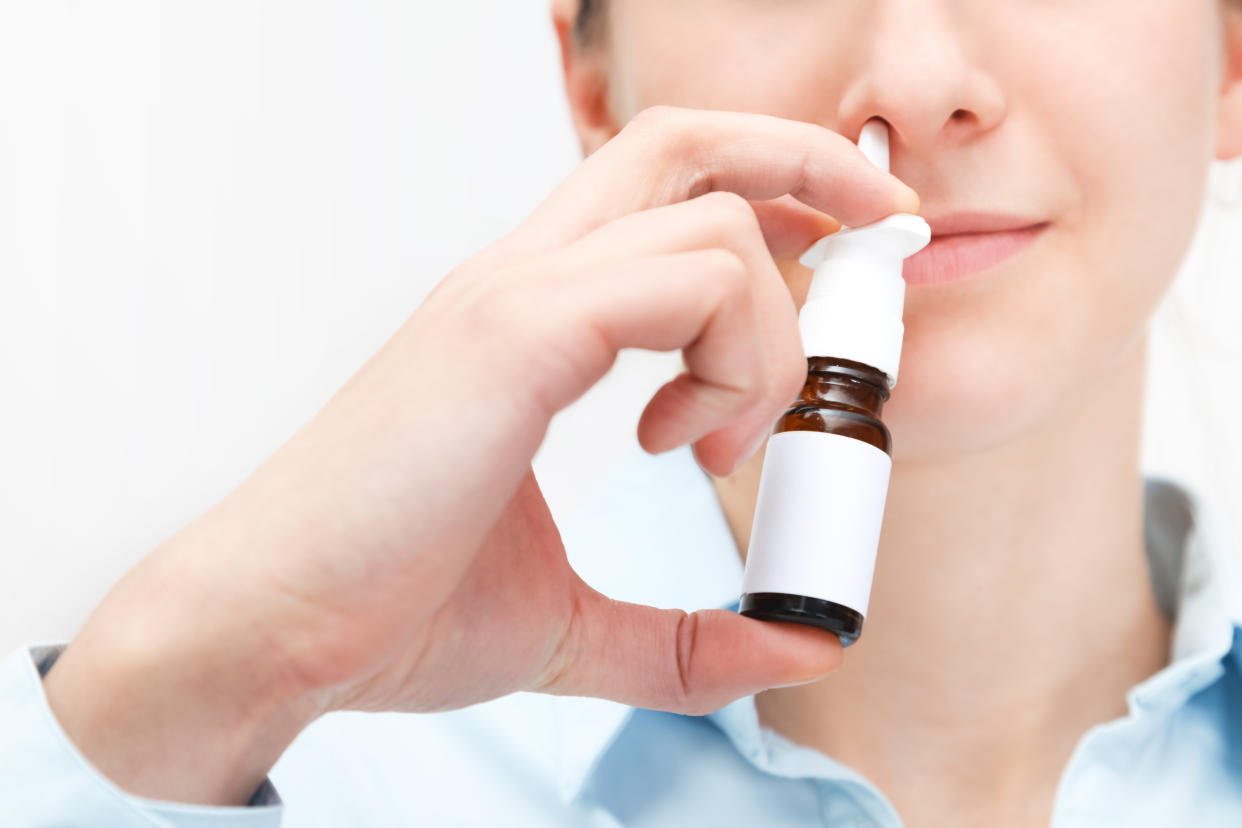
397, 553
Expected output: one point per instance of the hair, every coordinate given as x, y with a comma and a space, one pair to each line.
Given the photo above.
590, 13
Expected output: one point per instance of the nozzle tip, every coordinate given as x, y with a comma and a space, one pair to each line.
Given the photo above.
873, 142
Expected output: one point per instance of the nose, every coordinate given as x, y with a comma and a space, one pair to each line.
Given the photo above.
914, 71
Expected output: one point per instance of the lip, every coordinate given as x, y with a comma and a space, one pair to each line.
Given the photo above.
969, 243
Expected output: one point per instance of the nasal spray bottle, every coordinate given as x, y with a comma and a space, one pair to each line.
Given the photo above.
826, 470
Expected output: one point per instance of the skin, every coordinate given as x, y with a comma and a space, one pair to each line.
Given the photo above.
990, 647
348, 571
397, 554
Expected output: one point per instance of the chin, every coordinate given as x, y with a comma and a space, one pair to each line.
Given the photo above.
965, 390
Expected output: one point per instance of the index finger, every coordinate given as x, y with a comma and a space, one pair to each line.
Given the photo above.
667, 154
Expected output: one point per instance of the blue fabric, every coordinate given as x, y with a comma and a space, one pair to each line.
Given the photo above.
654, 533
46, 782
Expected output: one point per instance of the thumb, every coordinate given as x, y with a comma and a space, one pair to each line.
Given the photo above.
690, 663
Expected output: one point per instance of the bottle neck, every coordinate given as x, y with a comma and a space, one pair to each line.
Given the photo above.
843, 383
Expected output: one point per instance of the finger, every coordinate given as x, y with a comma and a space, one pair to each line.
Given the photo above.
702, 301
666, 154
785, 228
790, 227
738, 379
690, 663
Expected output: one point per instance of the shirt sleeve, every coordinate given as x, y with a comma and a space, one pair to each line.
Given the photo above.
45, 781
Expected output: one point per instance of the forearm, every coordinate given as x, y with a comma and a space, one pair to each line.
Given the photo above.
173, 694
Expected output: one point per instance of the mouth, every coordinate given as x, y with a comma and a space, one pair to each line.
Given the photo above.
966, 245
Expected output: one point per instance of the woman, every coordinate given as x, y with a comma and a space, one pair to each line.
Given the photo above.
1022, 661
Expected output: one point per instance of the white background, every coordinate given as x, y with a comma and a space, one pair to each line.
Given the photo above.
212, 213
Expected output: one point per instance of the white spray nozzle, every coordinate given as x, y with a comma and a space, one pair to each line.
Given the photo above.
853, 309
873, 143
901, 235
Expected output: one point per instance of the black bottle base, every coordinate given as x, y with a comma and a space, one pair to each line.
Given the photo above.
814, 612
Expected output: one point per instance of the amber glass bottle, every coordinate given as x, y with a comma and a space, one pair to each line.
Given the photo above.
827, 464
844, 398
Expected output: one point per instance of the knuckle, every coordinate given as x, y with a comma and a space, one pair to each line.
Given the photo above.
663, 136
728, 262
658, 130
657, 116
728, 271
733, 213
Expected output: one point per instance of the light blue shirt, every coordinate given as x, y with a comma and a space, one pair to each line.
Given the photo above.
654, 533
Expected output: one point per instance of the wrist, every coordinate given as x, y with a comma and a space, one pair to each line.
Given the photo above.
168, 692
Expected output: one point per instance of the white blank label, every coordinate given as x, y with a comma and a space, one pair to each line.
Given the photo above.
817, 518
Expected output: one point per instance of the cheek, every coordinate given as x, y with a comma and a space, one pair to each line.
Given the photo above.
1130, 150
1130, 110
1109, 127
988, 359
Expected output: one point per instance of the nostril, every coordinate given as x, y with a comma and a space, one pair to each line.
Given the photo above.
960, 115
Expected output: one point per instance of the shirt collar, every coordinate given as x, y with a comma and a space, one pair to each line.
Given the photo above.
654, 533
1196, 579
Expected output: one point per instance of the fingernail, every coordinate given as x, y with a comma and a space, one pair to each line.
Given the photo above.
910, 199
797, 683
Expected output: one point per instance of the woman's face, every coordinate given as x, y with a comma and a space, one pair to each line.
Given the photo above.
1100, 117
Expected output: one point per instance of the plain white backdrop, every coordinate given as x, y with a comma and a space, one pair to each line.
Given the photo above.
212, 214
